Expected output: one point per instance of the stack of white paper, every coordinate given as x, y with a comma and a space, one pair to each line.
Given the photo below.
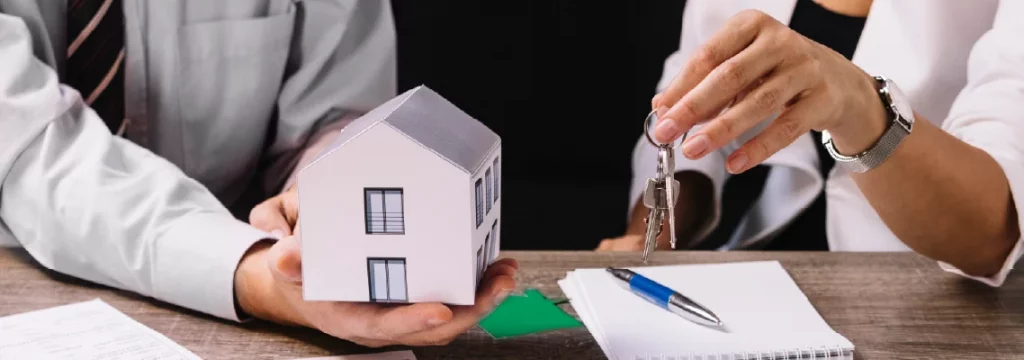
767, 316
95, 330
87, 330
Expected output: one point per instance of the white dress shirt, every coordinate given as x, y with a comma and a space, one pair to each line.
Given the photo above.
205, 76
961, 63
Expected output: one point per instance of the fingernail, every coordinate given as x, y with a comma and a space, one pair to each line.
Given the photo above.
666, 130
696, 146
435, 321
661, 111
737, 163
277, 233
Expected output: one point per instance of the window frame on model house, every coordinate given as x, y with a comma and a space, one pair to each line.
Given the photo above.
488, 184
492, 248
478, 269
394, 225
497, 175
389, 264
479, 194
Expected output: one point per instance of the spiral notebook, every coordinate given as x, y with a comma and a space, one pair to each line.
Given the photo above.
767, 315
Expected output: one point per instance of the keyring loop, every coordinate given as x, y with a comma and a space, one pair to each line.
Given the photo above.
647, 132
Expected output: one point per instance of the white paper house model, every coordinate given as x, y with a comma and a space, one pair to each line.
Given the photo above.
403, 207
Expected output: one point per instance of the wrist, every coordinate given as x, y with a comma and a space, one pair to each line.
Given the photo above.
866, 123
255, 290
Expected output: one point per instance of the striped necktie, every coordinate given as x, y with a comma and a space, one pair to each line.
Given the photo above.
95, 57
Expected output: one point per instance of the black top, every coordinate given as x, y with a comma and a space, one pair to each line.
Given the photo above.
807, 232
566, 84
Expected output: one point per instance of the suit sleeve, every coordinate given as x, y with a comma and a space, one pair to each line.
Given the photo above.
90, 205
989, 111
342, 65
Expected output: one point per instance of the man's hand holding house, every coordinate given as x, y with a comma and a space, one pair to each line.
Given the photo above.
437, 299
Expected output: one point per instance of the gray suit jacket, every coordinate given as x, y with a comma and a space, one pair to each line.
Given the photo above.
215, 90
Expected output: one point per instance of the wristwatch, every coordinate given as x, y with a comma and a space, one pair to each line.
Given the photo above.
900, 124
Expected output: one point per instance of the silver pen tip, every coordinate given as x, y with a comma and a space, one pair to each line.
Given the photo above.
721, 327
622, 274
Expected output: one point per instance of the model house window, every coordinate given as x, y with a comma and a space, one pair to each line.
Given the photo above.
479, 202
479, 261
493, 247
387, 279
497, 175
487, 179
487, 250
384, 211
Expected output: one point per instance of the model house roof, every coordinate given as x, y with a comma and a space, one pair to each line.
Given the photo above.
430, 120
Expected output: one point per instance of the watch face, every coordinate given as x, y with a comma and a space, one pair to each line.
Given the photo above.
900, 102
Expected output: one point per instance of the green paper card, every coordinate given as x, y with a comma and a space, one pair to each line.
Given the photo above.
526, 314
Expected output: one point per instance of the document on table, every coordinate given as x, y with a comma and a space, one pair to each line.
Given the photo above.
390, 355
91, 330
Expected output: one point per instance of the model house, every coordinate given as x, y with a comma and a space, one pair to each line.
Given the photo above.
403, 207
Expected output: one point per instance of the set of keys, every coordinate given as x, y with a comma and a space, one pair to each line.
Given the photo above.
660, 193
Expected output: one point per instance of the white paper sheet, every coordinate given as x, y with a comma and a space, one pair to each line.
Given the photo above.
390, 355
90, 330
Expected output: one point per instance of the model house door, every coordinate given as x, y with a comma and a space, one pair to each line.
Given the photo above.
479, 263
492, 248
387, 280
487, 251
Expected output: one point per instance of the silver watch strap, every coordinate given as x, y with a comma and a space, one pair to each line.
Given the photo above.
875, 155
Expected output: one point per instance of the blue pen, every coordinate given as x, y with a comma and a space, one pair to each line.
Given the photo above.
667, 298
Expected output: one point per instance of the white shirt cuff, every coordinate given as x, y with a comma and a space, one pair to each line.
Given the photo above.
999, 277
196, 260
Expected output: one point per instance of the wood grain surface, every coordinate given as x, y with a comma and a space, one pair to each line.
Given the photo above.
890, 305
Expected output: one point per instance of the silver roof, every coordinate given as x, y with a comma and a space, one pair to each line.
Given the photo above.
430, 120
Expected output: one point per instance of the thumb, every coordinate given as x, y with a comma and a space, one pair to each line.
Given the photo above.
285, 260
269, 216
290, 206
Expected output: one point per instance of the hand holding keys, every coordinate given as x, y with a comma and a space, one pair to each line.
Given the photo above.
660, 194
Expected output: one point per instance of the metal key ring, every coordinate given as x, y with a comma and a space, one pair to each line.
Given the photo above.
647, 132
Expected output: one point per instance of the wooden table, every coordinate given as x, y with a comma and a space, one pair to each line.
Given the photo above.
890, 305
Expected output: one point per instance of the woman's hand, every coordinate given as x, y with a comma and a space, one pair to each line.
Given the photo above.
756, 67
628, 242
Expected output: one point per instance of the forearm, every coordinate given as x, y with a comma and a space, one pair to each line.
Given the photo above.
93, 206
102, 209
945, 199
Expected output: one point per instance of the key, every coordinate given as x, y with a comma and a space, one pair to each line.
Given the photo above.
654, 199
666, 173
662, 189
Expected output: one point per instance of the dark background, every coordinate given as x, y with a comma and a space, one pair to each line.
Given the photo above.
566, 84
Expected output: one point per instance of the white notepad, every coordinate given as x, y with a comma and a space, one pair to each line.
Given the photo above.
767, 315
